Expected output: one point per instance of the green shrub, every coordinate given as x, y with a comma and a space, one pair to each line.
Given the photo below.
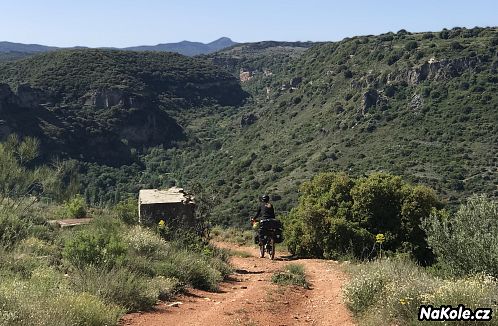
166, 287
190, 268
127, 211
117, 286
370, 281
292, 274
12, 228
46, 299
100, 243
234, 235
347, 239
21, 265
466, 242
474, 291
75, 207
411, 45
37, 247
144, 242
339, 216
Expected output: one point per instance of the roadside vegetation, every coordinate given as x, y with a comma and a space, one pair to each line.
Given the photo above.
91, 274
408, 249
291, 274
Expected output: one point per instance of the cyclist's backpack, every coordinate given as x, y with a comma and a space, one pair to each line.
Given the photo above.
273, 224
270, 224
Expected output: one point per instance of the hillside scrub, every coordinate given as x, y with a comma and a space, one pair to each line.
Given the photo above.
339, 216
466, 242
234, 235
364, 104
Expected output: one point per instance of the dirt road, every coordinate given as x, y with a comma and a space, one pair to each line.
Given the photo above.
249, 298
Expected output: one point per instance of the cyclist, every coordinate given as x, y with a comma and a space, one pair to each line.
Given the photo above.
265, 211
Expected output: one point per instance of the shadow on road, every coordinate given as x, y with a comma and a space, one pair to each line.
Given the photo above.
244, 271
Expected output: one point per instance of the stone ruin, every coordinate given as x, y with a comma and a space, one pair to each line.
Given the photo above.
173, 205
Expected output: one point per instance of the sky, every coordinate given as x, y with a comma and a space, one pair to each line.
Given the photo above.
121, 23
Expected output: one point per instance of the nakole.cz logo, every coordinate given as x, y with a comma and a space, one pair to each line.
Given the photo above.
448, 313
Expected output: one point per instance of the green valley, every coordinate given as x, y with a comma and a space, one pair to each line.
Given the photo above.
420, 105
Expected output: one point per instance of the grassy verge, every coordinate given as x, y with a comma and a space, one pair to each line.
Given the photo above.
93, 274
292, 274
391, 292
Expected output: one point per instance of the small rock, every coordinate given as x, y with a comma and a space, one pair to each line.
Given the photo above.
175, 304
243, 287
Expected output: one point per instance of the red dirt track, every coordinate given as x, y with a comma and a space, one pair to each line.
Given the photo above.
250, 298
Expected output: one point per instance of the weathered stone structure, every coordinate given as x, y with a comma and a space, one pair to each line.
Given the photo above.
174, 206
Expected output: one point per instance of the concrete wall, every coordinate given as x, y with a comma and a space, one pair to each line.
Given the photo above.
175, 214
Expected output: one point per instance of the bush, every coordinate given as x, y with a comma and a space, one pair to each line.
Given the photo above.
100, 243
466, 242
117, 286
75, 207
339, 216
12, 228
456, 45
391, 291
347, 239
144, 242
292, 274
46, 299
20, 223
189, 268
411, 45
19, 264
127, 211
235, 235
166, 287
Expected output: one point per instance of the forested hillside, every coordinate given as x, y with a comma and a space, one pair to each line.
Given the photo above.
422, 105
101, 105
419, 105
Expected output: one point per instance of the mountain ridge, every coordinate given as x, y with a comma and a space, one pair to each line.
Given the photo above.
188, 48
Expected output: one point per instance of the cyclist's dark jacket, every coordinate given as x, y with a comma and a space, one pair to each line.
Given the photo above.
265, 211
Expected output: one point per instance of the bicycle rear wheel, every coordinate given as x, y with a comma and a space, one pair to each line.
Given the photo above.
272, 251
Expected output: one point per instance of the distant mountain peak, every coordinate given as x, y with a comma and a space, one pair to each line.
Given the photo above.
185, 47
222, 42
188, 48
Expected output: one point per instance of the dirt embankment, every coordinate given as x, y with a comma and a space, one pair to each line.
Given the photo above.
249, 298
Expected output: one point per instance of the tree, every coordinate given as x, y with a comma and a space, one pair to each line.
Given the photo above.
339, 216
377, 204
411, 45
